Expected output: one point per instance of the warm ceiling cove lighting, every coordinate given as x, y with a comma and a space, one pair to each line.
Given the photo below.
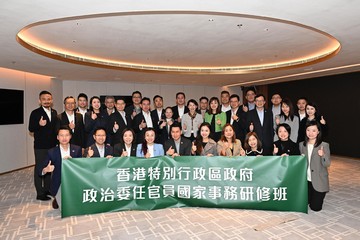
46, 49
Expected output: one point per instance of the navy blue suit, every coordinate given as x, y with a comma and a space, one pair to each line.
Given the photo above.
54, 155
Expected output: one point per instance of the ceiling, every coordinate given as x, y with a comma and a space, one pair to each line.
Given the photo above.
215, 43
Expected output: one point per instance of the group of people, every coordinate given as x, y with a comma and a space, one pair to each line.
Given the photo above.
213, 127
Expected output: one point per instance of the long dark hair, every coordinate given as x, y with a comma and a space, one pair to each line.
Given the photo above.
291, 111
218, 110
314, 105
199, 138
127, 130
319, 136
144, 147
91, 99
246, 144
223, 138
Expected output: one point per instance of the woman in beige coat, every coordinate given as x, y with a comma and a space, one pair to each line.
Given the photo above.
228, 145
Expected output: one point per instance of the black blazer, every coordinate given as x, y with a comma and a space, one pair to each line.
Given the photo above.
140, 133
156, 120
78, 136
266, 131
116, 117
239, 125
176, 111
108, 151
44, 136
184, 149
119, 147
288, 147
91, 125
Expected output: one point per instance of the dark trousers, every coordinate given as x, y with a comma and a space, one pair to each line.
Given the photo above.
315, 198
42, 183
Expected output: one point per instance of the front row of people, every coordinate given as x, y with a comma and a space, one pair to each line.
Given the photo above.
316, 151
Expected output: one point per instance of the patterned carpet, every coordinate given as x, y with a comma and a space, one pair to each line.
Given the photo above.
23, 217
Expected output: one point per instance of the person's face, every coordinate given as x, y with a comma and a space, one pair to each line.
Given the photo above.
260, 102
250, 96
128, 137
276, 99
192, 107
301, 104
214, 105
100, 137
150, 137
203, 104
228, 132
70, 104
205, 132
168, 113
285, 108
120, 105
46, 100
82, 102
180, 99
175, 133
136, 98
95, 103
225, 98
234, 103
145, 106
158, 102
312, 132
310, 110
110, 103
283, 134
64, 137
252, 141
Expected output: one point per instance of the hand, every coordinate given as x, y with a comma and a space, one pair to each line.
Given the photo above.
242, 152
184, 127
276, 150
226, 145
209, 155
71, 125
170, 151
142, 124
109, 156
116, 126
42, 121
245, 108
48, 168
277, 120
235, 117
93, 115
251, 127
321, 151
170, 122
218, 122
322, 120
193, 147
90, 152
133, 113
147, 155
163, 124
179, 119
175, 155
124, 153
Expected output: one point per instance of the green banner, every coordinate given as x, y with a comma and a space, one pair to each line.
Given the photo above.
99, 185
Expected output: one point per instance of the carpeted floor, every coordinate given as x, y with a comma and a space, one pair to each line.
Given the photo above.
23, 217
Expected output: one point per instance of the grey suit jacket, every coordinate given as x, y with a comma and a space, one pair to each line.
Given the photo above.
318, 166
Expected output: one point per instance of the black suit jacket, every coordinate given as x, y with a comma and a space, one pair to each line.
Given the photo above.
116, 117
54, 155
156, 120
78, 136
108, 151
140, 133
176, 111
266, 131
184, 149
44, 136
239, 125
91, 125
119, 147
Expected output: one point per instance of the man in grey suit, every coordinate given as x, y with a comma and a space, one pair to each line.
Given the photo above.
177, 145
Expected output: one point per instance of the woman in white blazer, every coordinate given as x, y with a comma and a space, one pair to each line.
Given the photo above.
191, 121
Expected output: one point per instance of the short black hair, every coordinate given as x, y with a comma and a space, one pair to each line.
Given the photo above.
180, 93
98, 129
175, 124
44, 92
136, 92
145, 99
82, 95
68, 97
235, 96
203, 97
64, 127
157, 96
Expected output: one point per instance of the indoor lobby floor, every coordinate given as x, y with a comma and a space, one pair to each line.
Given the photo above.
23, 217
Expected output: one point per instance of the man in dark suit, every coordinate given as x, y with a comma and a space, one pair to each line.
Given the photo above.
53, 161
180, 108
82, 101
143, 120
118, 121
43, 125
99, 148
74, 120
134, 109
236, 117
158, 116
260, 120
250, 94
177, 145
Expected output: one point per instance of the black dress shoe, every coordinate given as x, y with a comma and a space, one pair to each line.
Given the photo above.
43, 198
54, 203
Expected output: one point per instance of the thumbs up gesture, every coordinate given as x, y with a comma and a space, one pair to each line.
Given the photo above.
90, 152
170, 151
147, 155
245, 108
93, 115
251, 127
42, 121
71, 125
321, 151
48, 168
242, 152
116, 126
142, 124
276, 150
124, 153
184, 127
218, 121
322, 120
193, 147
